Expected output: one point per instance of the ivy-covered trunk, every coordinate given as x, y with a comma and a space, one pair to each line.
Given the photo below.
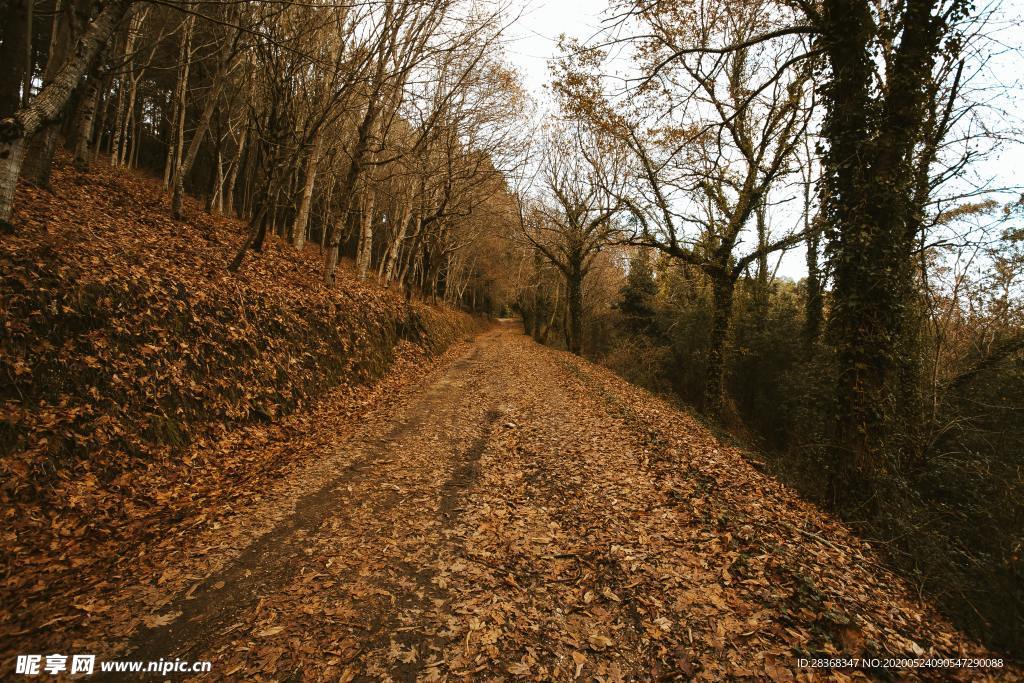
714, 378
814, 301
869, 205
574, 330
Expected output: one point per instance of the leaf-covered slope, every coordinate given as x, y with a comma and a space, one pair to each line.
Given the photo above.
126, 348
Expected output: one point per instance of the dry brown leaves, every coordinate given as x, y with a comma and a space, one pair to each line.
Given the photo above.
626, 542
521, 514
529, 516
139, 380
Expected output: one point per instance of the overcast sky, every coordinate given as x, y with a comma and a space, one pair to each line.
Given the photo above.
533, 40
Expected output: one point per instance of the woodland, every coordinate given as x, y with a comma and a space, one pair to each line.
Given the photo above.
219, 220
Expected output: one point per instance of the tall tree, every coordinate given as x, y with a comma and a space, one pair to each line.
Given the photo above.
869, 206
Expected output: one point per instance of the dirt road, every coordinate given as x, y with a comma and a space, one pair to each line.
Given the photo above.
522, 514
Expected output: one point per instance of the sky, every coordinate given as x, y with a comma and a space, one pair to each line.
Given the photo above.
533, 40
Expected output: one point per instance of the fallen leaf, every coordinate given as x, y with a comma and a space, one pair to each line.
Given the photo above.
157, 620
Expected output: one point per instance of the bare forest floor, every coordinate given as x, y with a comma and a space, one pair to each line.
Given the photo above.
499, 511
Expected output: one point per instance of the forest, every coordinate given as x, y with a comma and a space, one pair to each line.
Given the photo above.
732, 250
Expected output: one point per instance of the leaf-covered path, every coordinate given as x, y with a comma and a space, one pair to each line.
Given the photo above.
522, 513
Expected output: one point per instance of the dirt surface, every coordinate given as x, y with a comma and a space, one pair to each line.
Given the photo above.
524, 514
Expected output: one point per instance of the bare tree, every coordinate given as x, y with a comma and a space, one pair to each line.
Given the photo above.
572, 223
706, 148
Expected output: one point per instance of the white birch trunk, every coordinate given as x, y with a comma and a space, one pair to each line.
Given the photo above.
365, 251
389, 263
302, 218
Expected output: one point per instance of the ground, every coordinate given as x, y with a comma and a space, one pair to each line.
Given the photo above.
516, 513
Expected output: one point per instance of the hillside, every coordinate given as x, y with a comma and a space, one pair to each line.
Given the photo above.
142, 385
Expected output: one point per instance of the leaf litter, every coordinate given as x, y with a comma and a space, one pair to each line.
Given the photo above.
603, 536
502, 511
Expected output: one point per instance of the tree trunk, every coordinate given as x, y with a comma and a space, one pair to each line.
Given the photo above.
176, 141
126, 136
265, 225
256, 225
396, 246
325, 216
215, 203
410, 254
761, 289
39, 156
813, 303
88, 115
29, 66
714, 379
331, 262
136, 140
333, 247
14, 52
365, 252
229, 190
48, 104
870, 207
554, 306
574, 302
302, 217
120, 154
103, 110
529, 318
566, 330
348, 187
43, 145
11, 155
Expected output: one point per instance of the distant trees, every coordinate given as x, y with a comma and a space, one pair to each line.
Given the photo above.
227, 47
539, 298
707, 144
887, 76
724, 102
572, 223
